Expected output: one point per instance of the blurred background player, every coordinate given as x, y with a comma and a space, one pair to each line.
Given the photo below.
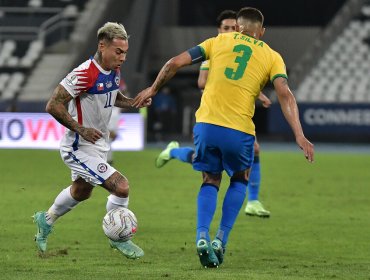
226, 22
83, 103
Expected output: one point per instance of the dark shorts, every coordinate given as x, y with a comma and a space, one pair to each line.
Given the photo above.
219, 148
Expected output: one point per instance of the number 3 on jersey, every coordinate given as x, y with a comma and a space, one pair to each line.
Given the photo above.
109, 100
242, 62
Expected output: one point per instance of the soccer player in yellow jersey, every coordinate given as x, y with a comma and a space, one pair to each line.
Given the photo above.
241, 64
226, 22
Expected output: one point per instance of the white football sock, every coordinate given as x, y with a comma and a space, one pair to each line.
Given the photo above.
115, 202
63, 203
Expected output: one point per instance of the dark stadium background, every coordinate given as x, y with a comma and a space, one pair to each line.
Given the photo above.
302, 31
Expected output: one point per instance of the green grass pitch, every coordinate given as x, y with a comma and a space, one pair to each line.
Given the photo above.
319, 228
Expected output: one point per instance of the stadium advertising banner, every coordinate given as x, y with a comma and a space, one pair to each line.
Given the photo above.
42, 131
326, 120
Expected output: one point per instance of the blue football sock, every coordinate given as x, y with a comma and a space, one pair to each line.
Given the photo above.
254, 180
233, 201
184, 154
207, 201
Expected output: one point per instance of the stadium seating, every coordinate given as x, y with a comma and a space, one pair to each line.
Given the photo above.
15, 54
41, 82
11, 84
6, 51
341, 73
29, 27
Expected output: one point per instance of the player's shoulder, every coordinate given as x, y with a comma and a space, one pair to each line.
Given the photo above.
81, 78
272, 52
87, 69
223, 37
268, 48
84, 66
208, 41
276, 55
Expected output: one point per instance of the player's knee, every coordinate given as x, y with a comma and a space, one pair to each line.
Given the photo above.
241, 176
122, 189
117, 184
214, 179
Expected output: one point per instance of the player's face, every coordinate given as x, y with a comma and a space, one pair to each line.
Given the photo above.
227, 25
114, 54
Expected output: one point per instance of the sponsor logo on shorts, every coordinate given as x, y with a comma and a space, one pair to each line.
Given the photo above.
102, 167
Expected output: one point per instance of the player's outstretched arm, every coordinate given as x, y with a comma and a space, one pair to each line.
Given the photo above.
167, 72
290, 110
56, 107
123, 101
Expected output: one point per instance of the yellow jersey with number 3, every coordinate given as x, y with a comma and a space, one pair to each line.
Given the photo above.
239, 68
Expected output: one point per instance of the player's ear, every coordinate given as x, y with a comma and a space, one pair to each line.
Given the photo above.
262, 31
101, 45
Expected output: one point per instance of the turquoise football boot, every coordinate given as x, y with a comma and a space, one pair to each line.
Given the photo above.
43, 230
127, 248
207, 256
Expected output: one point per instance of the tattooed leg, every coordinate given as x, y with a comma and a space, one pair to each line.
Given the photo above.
117, 184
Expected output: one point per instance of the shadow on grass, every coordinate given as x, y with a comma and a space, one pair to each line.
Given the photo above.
51, 254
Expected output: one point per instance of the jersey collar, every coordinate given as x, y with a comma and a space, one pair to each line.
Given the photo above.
100, 68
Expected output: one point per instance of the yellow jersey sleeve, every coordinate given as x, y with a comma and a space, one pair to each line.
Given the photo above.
206, 47
278, 68
204, 65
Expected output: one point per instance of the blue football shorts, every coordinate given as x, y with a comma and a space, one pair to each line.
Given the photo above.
219, 148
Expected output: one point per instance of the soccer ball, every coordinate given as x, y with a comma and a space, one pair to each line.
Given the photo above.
120, 224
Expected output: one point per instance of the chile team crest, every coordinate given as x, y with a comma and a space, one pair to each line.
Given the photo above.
102, 167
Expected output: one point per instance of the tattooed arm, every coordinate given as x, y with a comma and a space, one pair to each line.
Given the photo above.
56, 107
170, 69
122, 100
166, 73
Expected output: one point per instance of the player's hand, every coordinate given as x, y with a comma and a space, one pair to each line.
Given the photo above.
147, 102
266, 102
143, 98
90, 134
306, 146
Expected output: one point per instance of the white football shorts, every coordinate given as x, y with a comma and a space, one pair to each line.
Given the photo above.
93, 168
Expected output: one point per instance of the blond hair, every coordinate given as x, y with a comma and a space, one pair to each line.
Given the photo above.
112, 30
